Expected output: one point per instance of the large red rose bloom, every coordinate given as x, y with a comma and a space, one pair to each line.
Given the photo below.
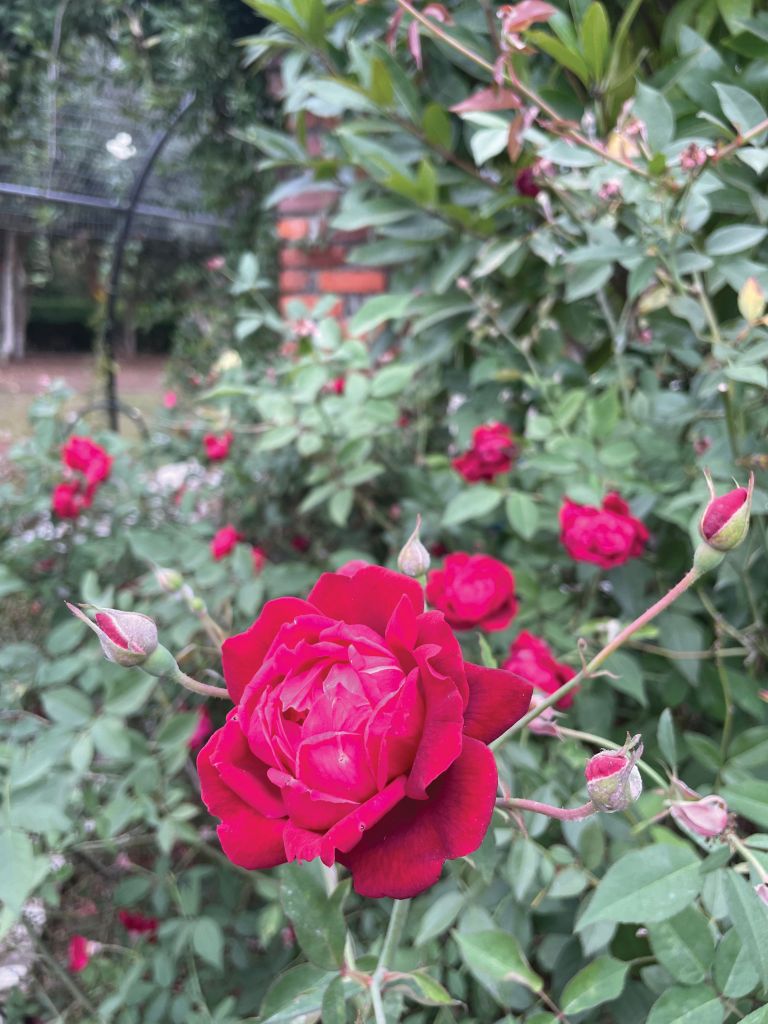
608, 536
359, 735
473, 592
88, 458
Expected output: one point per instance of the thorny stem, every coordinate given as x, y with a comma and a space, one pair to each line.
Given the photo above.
561, 813
391, 941
650, 613
739, 141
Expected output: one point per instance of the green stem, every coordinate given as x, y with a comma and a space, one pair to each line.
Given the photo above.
618, 343
672, 595
749, 857
392, 938
536, 807
725, 685
197, 687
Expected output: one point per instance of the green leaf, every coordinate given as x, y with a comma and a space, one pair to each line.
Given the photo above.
698, 1005
294, 994
735, 974
597, 983
378, 310
594, 34
748, 913
67, 706
421, 988
654, 110
560, 53
749, 798
665, 734
522, 513
488, 142
110, 738
316, 917
496, 960
334, 1005
735, 238
21, 873
391, 380
684, 946
746, 374
645, 886
741, 108
629, 676
734, 12
679, 632
277, 437
208, 941
439, 917
340, 505
381, 91
759, 1016
10, 584
473, 503
437, 126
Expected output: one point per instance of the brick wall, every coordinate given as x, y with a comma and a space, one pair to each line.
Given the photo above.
314, 258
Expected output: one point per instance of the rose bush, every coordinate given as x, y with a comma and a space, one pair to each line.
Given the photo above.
358, 735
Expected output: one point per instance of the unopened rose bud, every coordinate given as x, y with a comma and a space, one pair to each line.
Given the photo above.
762, 892
706, 817
613, 780
413, 560
751, 300
168, 580
725, 521
127, 638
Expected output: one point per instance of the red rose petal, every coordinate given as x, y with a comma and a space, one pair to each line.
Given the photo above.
405, 852
242, 655
497, 699
369, 597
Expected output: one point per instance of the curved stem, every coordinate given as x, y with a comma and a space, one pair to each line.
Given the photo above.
650, 613
391, 941
561, 813
749, 857
197, 687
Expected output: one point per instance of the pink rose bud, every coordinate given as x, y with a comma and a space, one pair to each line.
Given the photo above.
762, 892
413, 560
168, 580
725, 522
705, 817
613, 780
127, 638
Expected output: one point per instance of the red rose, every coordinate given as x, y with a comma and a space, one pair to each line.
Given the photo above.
492, 452
88, 458
259, 559
78, 953
224, 540
473, 592
136, 923
203, 728
359, 736
301, 543
525, 183
608, 536
68, 499
531, 658
217, 446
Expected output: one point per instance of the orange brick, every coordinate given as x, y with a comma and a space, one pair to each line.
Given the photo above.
333, 256
292, 228
292, 281
352, 282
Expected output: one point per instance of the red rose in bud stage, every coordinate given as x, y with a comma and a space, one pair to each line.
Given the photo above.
473, 592
613, 779
259, 559
492, 452
217, 446
137, 924
87, 457
69, 499
78, 953
608, 536
358, 735
725, 522
525, 183
224, 541
531, 658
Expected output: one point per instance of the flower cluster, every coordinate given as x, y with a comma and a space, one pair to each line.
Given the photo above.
359, 735
492, 452
92, 466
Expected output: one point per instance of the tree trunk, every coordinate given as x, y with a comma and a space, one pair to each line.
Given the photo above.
13, 299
